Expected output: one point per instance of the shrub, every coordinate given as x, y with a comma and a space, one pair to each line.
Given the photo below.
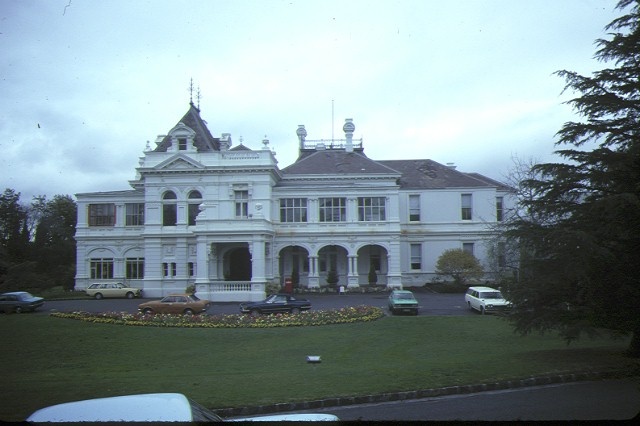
272, 288
332, 278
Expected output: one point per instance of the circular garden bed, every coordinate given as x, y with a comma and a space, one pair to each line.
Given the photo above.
304, 319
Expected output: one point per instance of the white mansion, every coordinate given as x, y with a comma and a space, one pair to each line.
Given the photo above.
228, 220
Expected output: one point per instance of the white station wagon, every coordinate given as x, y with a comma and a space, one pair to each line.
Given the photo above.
100, 290
486, 300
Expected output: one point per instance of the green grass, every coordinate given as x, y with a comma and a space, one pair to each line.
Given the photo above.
52, 360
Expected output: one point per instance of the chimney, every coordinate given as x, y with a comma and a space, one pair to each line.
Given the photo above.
302, 134
348, 129
225, 141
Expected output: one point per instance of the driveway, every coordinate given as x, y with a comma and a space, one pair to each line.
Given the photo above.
430, 304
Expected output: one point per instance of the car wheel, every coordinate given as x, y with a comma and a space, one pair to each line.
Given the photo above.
147, 311
481, 310
295, 311
130, 295
98, 296
255, 313
188, 312
18, 310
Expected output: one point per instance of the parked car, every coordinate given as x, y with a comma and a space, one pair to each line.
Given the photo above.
181, 304
153, 407
19, 301
100, 290
276, 303
486, 300
403, 301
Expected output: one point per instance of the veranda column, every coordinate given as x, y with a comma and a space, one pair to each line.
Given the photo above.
352, 272
314, 279
394, 277
202, 257
258, 260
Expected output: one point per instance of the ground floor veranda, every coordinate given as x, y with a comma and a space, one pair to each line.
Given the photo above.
247, 270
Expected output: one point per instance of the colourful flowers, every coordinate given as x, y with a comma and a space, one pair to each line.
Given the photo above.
304, 319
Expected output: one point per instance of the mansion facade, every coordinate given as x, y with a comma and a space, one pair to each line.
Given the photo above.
227, 220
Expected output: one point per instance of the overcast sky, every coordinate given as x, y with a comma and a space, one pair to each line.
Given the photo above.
84, 84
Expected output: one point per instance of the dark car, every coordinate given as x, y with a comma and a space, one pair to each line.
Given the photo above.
276, 303
19, 301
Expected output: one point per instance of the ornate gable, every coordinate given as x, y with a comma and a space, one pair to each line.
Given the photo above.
179, 162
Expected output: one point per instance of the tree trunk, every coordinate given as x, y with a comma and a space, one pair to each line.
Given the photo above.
634, 346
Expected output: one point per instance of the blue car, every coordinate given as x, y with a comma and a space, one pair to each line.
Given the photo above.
19, 301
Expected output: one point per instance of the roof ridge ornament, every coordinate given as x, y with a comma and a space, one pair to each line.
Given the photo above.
198, 96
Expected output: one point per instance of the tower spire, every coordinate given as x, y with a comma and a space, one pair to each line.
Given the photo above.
191, 92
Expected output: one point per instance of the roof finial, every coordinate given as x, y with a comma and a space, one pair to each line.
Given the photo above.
191, 92
198, 97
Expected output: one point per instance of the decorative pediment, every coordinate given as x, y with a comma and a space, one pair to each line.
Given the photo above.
180, 162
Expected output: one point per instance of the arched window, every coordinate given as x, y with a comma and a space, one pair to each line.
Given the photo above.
194, 206
169, 195
169, 209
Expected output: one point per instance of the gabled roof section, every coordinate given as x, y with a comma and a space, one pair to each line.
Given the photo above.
179, 162
336, 162
203, 140
428, 174
240, 148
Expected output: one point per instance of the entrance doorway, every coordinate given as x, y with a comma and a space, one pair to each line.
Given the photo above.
239, 265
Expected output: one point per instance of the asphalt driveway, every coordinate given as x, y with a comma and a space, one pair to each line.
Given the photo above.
430, 303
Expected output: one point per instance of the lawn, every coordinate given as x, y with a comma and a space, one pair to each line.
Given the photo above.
50, 360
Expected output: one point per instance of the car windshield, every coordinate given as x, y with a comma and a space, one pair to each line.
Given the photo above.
194, 297
24, 296
404, 296
201, 414
492, 295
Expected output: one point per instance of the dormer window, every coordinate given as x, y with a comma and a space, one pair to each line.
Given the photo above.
182, 138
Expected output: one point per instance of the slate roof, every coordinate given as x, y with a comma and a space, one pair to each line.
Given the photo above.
336, 162
421, 174
500, 185
203, 140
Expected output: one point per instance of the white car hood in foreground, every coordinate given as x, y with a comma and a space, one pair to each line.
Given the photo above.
154, 407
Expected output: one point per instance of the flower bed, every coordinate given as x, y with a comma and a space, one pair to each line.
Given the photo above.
303, 319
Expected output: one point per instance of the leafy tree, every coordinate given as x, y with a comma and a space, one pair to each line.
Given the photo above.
460, 265
54, 243
14, 235
580, 238
37, 245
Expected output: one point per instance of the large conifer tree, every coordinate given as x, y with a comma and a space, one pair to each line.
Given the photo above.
580, 266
